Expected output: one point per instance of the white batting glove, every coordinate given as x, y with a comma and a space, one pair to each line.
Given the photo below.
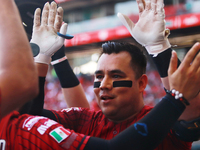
150, 30
45, 31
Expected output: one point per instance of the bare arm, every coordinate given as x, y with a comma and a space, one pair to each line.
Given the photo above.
18, 75
48, 27
75, 97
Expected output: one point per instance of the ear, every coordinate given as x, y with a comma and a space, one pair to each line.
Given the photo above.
143, 80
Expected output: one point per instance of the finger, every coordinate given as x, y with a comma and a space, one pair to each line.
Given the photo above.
45, 14
160, 6
141, 5
148, 5
52, 13
190, 55
126, 22
63, 30
36, 20
160, 2
196, 62
161, 13
59, 19
173, 63
153, 5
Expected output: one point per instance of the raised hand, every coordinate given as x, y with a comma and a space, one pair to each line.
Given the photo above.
186, 79
150, 30
45, 31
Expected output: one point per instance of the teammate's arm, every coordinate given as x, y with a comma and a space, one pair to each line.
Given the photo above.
162, 63
71, 87
18, 75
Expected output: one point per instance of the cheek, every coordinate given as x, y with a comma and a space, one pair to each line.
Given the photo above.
96, 92
125, 94
122, 90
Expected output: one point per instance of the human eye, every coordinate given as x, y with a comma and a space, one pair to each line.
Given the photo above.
116, 76
98, 76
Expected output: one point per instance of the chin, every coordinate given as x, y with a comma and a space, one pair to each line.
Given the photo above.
108, 112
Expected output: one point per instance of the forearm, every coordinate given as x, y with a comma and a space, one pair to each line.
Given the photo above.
193, 111
162, 61
71, 87
35, 106
165, 82
72, 99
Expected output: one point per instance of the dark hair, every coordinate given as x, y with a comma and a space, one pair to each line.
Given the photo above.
138, 59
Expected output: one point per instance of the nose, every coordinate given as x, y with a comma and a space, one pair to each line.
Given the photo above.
106, 83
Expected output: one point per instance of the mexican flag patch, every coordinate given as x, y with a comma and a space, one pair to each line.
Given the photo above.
59, 134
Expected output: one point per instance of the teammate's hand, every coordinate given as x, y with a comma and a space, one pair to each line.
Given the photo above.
186, 79
150, 30
45, 31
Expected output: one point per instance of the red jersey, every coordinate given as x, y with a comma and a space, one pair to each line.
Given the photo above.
0, 104
94, 123
19, 132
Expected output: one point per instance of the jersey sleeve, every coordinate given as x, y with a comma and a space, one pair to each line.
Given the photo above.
43, 133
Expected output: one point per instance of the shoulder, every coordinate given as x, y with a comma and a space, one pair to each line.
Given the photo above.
81, 110
147, 108
144, 111
8, 118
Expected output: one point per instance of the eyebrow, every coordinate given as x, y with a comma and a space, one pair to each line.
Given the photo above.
98, 72
117, 71
112, 71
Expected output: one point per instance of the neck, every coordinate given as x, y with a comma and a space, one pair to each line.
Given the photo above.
126, 118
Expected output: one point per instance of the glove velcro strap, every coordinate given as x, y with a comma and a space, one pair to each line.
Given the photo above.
58, 60
158, 48
42, 58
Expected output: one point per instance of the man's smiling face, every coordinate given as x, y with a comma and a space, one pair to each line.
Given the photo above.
117, 103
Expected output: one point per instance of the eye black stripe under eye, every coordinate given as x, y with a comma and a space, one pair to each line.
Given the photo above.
124, 83
97, 84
